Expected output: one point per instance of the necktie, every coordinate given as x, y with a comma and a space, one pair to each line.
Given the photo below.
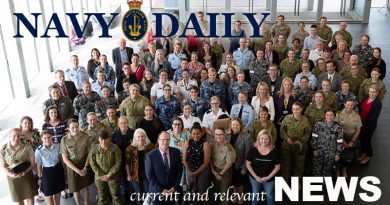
330, 79
240, 113
63, 89
166, 163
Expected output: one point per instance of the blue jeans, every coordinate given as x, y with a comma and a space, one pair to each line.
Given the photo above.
267, 187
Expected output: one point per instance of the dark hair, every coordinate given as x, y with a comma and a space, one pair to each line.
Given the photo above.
125, 63
313, 26
194, 87
72, 121
304, 78
103, 134
298, 103
46, 132
366, 35
179, 119
111, 107
196, 126
331, 110
104, 86
47, 117
27, 118
95, 49
296, 39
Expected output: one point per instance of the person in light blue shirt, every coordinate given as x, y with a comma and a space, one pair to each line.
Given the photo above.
49, 168
243, 56
306, 72
100, 82
243, 110
310, 41
175, 57
77, 74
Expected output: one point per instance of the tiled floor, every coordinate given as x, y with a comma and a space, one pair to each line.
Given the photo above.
377, 28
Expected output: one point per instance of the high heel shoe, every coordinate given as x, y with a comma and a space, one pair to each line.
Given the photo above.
365, 161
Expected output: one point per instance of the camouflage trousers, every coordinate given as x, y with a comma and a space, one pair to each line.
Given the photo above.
292, 164
111, 186
323, 163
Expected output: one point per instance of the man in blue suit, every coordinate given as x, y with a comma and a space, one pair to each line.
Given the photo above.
164, 169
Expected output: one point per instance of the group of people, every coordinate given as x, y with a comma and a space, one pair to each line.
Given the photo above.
185, 116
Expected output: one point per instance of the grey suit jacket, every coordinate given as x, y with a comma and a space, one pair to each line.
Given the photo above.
336, 82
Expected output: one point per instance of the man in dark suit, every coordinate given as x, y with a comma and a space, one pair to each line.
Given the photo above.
120, 55
68, 88
164, 169
331, 74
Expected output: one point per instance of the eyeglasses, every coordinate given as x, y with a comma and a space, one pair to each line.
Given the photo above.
177, 124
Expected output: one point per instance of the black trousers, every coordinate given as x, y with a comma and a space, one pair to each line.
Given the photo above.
365, 140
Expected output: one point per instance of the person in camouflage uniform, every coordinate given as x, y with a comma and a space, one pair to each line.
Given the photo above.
364, 51
343, 32
327, 142
280, 28
93, 128
63, 103
294, 126
167, 106
122, 95
305, 94
258, 68
133, 106
217, 49
346, 71
290, 66
236, 87
320, 68
324, 31
330, 99
105, 101
85, 103
105, 160
111, 121
345, 94
199, 105
315, 112
355, 80
281, 47
263, 123
363, 90
212, 87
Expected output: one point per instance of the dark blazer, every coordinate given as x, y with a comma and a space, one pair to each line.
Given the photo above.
275, 57
116, 58
336, 82
71, 89
159, 178
373, 114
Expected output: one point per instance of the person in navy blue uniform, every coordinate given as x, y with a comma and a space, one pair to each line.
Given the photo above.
164, 169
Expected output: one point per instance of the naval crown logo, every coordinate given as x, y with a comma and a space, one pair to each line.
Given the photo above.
135, 22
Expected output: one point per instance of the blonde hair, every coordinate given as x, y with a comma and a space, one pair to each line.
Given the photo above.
267, 96
281, 91
263, 132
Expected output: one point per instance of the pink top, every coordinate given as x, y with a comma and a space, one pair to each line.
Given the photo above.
138, 73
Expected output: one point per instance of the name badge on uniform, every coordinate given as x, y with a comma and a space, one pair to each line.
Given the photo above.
285, 112
251, 71
314, 135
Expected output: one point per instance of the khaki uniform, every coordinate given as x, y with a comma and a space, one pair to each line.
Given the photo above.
291, 128
93, 132
346, 72
331, 101
111, 126
256, 127
325, 33
349, 123
276, 30
77, 151
133, 110
289, 69
355, 84
106, 162
25, 186
218, 50
315, 114
363, 90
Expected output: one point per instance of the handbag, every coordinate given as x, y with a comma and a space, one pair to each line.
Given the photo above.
21, 167
348, 156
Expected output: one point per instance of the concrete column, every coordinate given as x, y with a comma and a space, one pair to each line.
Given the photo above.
320, 10
310, 5
367, 10
17, 66
228, 5
268, 5
44, 54
182, 10
274, 6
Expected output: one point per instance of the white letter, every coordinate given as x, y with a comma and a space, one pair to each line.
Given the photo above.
281, 185
377, 193
308, 187
341, 183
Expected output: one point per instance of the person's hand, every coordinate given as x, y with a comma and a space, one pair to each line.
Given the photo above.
315, 153
264, 179
258, 179
289, 141
350, 144
129, 178
192, 175
243, 171
337, 157
11, 175
39, 182
345, 144
172, 190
